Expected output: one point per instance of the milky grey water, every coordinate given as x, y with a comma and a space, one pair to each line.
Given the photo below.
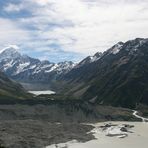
44, 92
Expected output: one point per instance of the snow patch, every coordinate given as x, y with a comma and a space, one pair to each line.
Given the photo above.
116, 48
22, 67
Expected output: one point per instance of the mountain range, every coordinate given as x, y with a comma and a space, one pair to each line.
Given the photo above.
115, 77
26, 69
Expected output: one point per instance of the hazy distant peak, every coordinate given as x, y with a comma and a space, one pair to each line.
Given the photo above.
11, 47
11, 51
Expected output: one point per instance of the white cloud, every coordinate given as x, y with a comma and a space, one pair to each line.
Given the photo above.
42, 2
13, 7
83, 26
10, 33
96, 24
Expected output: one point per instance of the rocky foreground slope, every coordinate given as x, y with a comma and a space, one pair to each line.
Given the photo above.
37, 126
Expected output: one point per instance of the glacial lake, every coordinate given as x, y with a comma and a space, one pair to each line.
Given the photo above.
43, 92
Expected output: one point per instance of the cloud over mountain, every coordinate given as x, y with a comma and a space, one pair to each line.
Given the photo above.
75, 27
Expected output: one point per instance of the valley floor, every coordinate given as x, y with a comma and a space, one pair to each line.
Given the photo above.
136, 139
38, 126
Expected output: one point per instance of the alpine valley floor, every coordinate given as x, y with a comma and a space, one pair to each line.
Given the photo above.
136, 139
40, 126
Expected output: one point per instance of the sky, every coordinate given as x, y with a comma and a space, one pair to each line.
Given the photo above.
60, 30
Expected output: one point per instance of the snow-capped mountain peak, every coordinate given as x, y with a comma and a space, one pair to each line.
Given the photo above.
90, 59
12, 48
10, 52
133, 45
116, 48
24, 68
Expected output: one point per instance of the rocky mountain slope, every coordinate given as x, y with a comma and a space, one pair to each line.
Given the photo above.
116, 77
11, 90
26, 69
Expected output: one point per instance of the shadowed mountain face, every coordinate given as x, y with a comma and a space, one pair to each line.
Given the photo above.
118, 76
10, 89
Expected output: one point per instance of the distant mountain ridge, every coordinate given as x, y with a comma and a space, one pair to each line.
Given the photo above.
26, 69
